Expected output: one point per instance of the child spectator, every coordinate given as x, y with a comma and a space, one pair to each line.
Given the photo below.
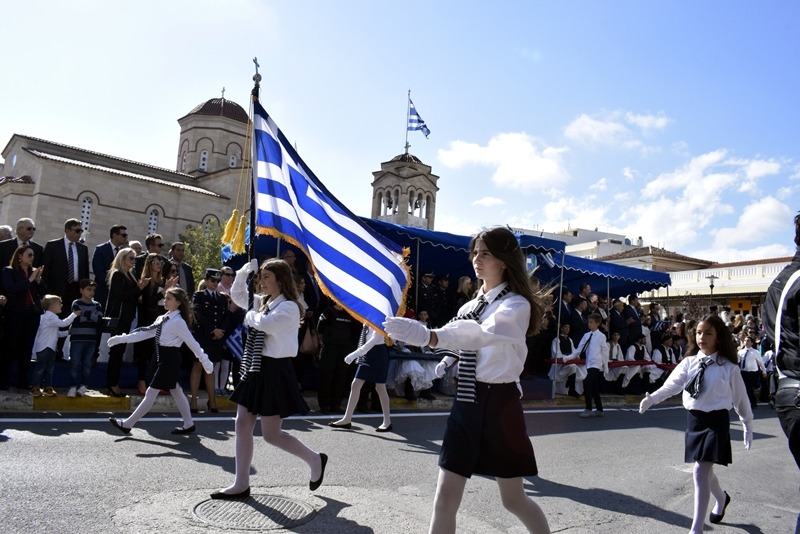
83, 338
45, 344
594, 349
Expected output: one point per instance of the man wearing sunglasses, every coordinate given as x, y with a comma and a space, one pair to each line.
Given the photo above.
66, 263
24, 235
103, 257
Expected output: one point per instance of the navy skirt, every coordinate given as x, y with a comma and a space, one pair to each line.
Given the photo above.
708, 437
375, 367
168, 367
271, 391
488, 437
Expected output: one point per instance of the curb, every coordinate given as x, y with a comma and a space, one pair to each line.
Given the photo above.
94, 401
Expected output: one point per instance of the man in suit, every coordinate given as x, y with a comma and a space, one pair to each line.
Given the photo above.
185, 277
154, 244
66, 263
102, 258
24, 235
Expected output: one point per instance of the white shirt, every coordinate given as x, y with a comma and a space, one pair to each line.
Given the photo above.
596, 351
555, 349
48, 333
174, 333
752, 360
281, 323
615, 352
499, 339
722, 388
631, 354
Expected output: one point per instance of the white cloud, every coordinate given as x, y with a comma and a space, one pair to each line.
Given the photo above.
757, 221
517, 159
691, 173
573, 212
488, 201
629, 173
600, 185
586, 130
648, 122
730, 255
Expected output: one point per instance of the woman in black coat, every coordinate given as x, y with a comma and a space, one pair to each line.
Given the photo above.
123, 295
24, 289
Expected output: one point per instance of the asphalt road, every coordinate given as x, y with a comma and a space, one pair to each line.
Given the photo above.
622, 473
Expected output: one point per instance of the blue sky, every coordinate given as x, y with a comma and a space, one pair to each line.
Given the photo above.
674, 121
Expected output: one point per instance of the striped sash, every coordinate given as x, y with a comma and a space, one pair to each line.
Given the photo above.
251, 359
467, 360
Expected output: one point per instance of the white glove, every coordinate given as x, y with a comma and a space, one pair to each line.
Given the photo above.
373, 340
646, 403
441, 369
114, 340
748, 435
250, 318
408, 331
208, 365
249, 267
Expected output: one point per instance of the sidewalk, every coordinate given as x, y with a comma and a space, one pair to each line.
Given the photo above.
536, 396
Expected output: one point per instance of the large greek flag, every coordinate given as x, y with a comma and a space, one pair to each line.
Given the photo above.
356, 267
415, 122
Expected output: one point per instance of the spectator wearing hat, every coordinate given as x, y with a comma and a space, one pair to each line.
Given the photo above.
211, 311
426, 292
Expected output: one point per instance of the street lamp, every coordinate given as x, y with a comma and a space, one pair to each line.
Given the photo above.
711, 279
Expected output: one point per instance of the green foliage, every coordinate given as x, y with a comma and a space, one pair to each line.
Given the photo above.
203, 247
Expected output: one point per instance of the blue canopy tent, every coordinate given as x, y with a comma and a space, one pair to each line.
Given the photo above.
615, 280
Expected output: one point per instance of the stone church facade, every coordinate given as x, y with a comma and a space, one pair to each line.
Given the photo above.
52, 182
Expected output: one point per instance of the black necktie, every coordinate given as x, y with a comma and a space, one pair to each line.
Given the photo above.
71, 264
158, 335
695, 384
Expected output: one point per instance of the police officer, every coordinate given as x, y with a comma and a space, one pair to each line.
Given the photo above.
211, 311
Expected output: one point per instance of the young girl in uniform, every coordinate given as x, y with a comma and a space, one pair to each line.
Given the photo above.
268, 385
485, 432
169, 331
711, 382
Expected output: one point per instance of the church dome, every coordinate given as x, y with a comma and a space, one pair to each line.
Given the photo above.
221, 107
407, 158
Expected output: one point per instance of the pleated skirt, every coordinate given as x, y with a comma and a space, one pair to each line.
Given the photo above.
271, 391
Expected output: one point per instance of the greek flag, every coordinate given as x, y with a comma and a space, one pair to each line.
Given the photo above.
235, 343
362, 271
415, 122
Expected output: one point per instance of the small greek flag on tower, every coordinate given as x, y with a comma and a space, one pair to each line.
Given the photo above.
415, 122
352, 264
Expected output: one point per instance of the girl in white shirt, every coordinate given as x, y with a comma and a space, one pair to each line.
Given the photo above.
170, 331
485, 431
711, 382
268, 385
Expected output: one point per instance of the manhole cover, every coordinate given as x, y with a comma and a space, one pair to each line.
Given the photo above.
257, 512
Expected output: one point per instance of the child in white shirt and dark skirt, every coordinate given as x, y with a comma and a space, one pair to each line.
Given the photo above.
711, 382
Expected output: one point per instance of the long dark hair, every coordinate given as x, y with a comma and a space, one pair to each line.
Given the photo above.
503, 245
725, 346
17, 255
185, 306
285, 278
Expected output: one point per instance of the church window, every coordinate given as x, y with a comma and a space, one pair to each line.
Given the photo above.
152, 222
232, 161
183, 163
86, 213
204, 160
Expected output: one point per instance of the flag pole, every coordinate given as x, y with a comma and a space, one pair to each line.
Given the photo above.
251, 246
408, 118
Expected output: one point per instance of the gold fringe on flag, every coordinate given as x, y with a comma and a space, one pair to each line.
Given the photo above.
237, 247
230, 227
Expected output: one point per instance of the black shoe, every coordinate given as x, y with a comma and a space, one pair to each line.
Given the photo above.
314, 484
212, 410
111, 393
118, 424
181, 430
716, 518
219, 496
382, 429
345, 426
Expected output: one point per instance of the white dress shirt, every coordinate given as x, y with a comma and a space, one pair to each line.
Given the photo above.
48, 333
499, 339
722, 388
280, 320
596, 351
174, 333
752, 360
